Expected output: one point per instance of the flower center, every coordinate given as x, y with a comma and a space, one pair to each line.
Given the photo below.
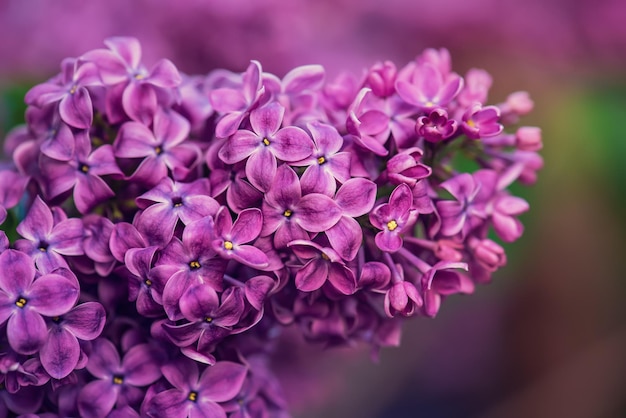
266, 142
148, 282
193, 396
118, 380
228, 245
208, 319
287, 213
471, 123
325, 257
73, 89
158, 150
56, 319
43, 246
321, 160
139, 76
84, 168
392, 224
177, 202
195, 265
20, 302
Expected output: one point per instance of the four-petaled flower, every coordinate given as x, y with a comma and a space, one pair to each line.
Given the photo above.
393, 218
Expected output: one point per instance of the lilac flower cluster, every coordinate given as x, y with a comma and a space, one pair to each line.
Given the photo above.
175, 224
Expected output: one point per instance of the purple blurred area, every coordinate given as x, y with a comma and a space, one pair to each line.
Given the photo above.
548, 337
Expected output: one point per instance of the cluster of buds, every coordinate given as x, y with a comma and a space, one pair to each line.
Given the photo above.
169, 226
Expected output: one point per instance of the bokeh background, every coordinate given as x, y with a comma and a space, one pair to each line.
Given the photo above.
548, 337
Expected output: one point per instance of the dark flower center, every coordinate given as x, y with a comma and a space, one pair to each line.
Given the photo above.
43, 246
158, 150
177, 201
147, 282
73, 89
20, 302
118, 380
195, 265
208, 319
392, 224
84, 168
266, 142
193, 396
321, 160
287, 213
56, 319
228, 245
325, 257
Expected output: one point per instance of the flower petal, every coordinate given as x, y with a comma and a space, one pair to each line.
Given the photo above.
59, 355
261, 169
312, 276
222, 381
26, 331
76, 109
85, 321
317, 212
97, 399
16, 272
53, 294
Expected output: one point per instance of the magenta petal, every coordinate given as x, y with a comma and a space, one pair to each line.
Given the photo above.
61, 145
38, 222
356, 197
266, 120
317, 212
85, 321
170, 128
104, 359
239, 147
229, 124
261, 169
346, 237
97, 399
257, 289
250, 256
140, 102
183, 335
53, 295
67, 237
89, 191
508, 228
198, 302
59, 355
76, 109
207, 409
342, 278
127, 48
180, 373
316, 179
222, 381
401, 200
124, 237
247, 226
388, 241
306, 77
26, 331
16, 272
141, 366
227, 100
157, 223
164, 74
170, 403
231, 309
292, 144
312, 276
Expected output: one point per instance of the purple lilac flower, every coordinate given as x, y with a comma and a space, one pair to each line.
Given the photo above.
209, 319
118, 381
436, 126
393, 218
70, 91
428, 87
169, 202
322, 264
83, 173
455, 214
12, 186
47, 241
289, 215
133, 89
264, 144
479, 121
60, 353
161, 149
194, 394
24, 300
143, 287
230, 238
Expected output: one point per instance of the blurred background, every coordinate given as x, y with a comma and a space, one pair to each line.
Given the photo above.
548, 337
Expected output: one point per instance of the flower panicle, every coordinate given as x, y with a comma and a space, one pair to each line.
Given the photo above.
169, 226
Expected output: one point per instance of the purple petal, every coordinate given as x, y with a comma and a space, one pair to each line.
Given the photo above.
53, 294
222, 381
250, 256
170, 403
346, 237
59, 355
356, 197
164, 74
199, 302
171, 128
97, 399
285, 191
508, 228
317, 212
67, 237
231, 309
157, 224
342, 278
317, 179
247, 226
388, 241
111, 68
374, 275
452, 217
306, 77
134, 140
261, 169
141, 366
104, 359
183, 335
89, 191
181, 373
43, 94
85, 321
124, 237
61, 145
287, 232
76, 109
257, 289
239, 147
16, 272
266, 120
401, 200
140, 102
227, 100
37, 223
198, 236
127, 48
207, 409
26, 331
291, 144
312, 276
